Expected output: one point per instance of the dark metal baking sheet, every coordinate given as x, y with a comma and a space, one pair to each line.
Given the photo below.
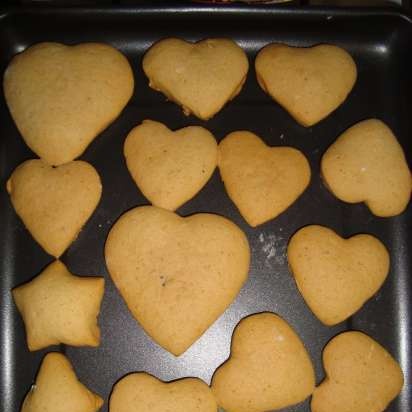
380, 43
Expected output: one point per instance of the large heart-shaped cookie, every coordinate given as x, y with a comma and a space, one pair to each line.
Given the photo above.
200, 77
141, 392
54, 202
310, 83
268, 368
367, 164
336, 276
262, 181
361, 376
61, 97
177, 275
170, 167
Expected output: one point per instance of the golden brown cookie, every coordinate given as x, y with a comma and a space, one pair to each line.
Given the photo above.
336, 276
308, 82
61, 97
177, 275
170, 167
367, 164
262, 181
141, 392
57, 389
268, 368
54, 202
201, 77
361, 376
58, 307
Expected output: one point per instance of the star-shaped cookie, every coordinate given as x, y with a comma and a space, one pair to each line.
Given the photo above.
57, 389
58, 307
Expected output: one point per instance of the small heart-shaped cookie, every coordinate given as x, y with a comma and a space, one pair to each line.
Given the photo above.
177, 275
310, 83
58, 307
361, 376
367, 164
200, 77
170, 167
54, 202
141, 392
57, 389
262, 181
336, 276
268, 368
61, 97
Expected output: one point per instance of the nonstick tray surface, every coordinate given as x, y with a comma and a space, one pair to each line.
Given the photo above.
379, 41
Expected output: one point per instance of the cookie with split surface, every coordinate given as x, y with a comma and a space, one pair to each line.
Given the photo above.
201, 77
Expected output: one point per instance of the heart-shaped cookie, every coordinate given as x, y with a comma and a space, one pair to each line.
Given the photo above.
367, 164
262, 181
310, 83
200, 77
361, 376
141, 392
170, 167
269, 368
336, 276
61, 97
54, 202
177, 275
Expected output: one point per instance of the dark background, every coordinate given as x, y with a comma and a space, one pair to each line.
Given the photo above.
360, 3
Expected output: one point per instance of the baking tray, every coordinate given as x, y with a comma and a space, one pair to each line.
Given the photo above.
379, 41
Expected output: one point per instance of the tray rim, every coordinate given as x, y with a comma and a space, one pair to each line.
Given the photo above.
269, 11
